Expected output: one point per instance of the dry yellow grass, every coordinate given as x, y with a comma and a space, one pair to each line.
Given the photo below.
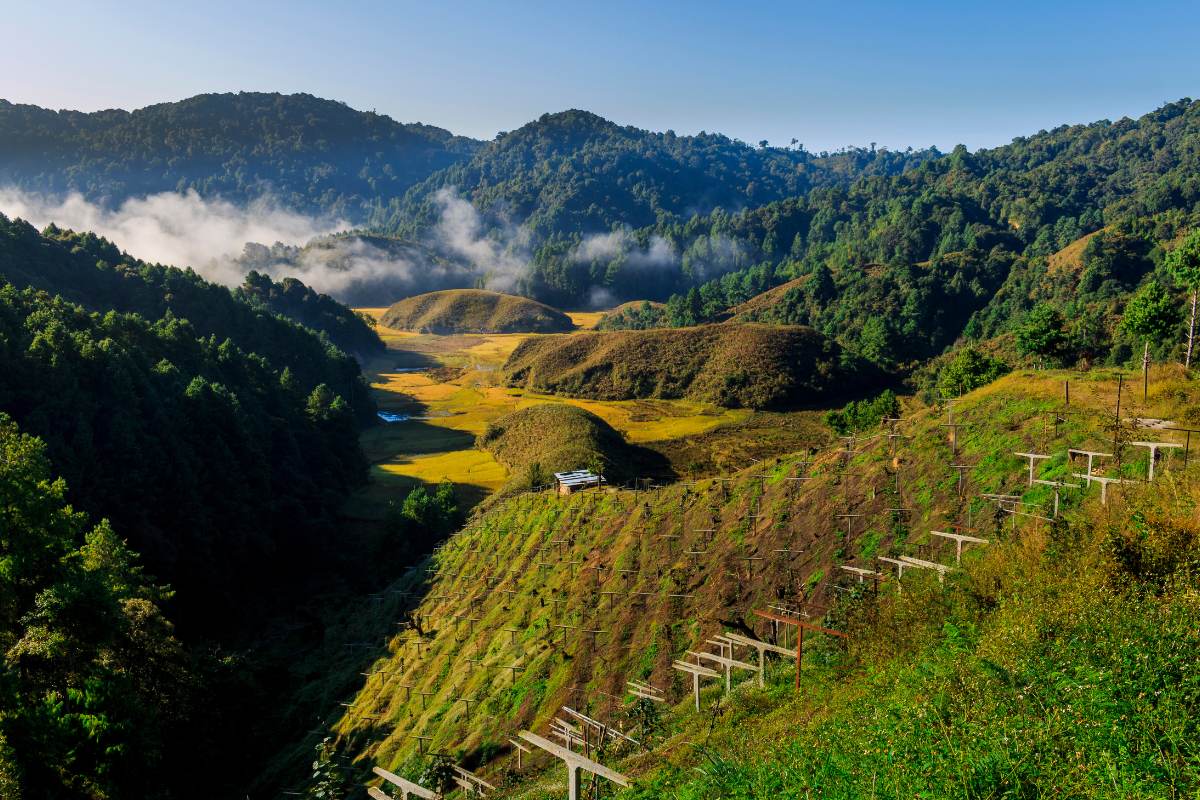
463, 467
1070, 258
439, 445
585, 320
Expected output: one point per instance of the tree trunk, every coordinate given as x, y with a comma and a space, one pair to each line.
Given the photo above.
1187, 362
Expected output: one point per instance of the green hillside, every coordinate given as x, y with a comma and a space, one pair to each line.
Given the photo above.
1059, 660
897, 268
733, 366
309, 154
535, 442
473, 311
576, 172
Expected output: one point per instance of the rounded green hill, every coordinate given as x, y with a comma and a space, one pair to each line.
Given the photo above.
474, 311
750, 366
535, 442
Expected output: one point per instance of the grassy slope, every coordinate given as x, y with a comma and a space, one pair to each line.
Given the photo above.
560, 438
761, 304
1025, 688
460, 401
753, 366
474, 311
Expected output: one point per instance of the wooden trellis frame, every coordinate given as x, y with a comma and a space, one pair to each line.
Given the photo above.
407, 788
728, 663
645, 691
1033, 458
470, 782
574, 762
801, 626
958, 539
697, 672
1154, 447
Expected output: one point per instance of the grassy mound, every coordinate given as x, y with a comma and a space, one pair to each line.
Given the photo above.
754, 366
474, 311
535, 442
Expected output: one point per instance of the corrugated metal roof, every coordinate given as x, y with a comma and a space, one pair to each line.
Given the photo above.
577, 477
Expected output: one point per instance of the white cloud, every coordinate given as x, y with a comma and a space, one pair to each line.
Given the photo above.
178, 229
658, 253
501, 257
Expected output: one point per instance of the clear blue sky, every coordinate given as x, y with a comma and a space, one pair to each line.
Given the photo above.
829, 74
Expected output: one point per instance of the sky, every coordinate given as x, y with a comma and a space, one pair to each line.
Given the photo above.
899, 74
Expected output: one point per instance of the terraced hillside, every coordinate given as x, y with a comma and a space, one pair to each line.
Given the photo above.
474, 311
542, 602
751, 366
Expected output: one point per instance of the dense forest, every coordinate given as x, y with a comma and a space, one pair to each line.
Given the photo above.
899, 267
309, 154
576, 172
351, 332
95, 690
91, 271
218, 439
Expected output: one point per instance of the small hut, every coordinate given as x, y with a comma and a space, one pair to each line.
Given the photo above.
571, 482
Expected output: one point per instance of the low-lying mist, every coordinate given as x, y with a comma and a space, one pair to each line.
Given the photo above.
223, 241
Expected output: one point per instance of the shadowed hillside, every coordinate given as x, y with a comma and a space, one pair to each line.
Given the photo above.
750, 366
474, 311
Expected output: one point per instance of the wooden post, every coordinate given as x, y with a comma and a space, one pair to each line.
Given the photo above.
1146, 371
406, 787
574, 762
1117, 420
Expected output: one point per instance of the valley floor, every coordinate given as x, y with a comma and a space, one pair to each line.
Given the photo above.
447, 388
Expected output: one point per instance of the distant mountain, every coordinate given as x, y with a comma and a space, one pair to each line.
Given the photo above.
897, 268
576, 172
310, 154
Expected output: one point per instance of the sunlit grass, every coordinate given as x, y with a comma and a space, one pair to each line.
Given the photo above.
453, 411
468, 467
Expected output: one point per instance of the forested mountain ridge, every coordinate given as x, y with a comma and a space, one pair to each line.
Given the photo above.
899, 267
219, 440
91, 271
576, 172
353, 333
308, 154
219, 427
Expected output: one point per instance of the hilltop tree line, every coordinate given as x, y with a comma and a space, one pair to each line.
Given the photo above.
898, 268
574, 172
309, 154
